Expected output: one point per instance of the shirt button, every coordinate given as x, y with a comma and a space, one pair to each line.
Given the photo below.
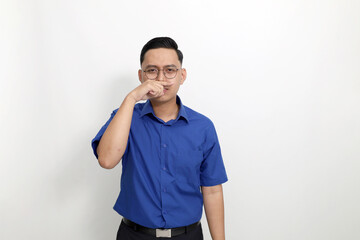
164, 168
164, 145
164, 189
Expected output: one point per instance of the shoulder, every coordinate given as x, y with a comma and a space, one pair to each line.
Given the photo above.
198, 118
203, 126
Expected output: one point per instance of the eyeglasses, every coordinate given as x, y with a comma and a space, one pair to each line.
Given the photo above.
169, 72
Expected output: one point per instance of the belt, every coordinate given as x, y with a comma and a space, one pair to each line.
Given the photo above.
161, 232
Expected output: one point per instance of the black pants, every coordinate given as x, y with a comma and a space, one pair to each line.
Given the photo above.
127, 233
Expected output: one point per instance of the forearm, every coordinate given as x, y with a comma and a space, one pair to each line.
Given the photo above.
214, 210
113, 142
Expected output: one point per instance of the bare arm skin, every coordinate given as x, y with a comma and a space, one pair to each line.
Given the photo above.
112, 144
214, 210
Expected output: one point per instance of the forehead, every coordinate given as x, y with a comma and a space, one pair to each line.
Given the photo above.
161, 57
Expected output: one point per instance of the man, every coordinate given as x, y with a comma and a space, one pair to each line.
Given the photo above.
171, 159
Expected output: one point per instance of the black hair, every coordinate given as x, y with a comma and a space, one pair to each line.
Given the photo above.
161, 42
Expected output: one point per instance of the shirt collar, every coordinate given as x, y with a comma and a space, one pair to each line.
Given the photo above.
182, 111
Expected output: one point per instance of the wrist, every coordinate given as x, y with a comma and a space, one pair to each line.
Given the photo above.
131, 98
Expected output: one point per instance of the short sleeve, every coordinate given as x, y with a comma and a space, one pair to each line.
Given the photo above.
212, 170
96, 139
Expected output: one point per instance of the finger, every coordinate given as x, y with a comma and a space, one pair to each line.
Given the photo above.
155, 95
165, 83
162, 83
155, 87
160, 91
155, 90
160, 88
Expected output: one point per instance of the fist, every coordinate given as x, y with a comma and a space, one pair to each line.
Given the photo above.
150, 89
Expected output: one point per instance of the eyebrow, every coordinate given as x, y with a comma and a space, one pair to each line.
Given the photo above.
171, 65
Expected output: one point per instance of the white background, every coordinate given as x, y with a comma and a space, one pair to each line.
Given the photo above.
279, 79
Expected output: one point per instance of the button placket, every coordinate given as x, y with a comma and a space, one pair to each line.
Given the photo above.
163, 150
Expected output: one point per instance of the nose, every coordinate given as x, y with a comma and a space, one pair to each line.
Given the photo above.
161, 75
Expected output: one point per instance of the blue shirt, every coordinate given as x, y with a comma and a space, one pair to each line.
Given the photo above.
164, 165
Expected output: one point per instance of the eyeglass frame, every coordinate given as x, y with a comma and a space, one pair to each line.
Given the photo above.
159, 70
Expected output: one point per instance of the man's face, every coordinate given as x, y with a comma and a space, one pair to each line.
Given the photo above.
161, 59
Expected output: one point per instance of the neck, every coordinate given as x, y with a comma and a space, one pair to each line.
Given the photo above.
166, 110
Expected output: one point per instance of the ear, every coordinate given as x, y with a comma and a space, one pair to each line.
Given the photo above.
183, 76
140, 75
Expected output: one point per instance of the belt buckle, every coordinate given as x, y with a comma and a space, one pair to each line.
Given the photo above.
163, 233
